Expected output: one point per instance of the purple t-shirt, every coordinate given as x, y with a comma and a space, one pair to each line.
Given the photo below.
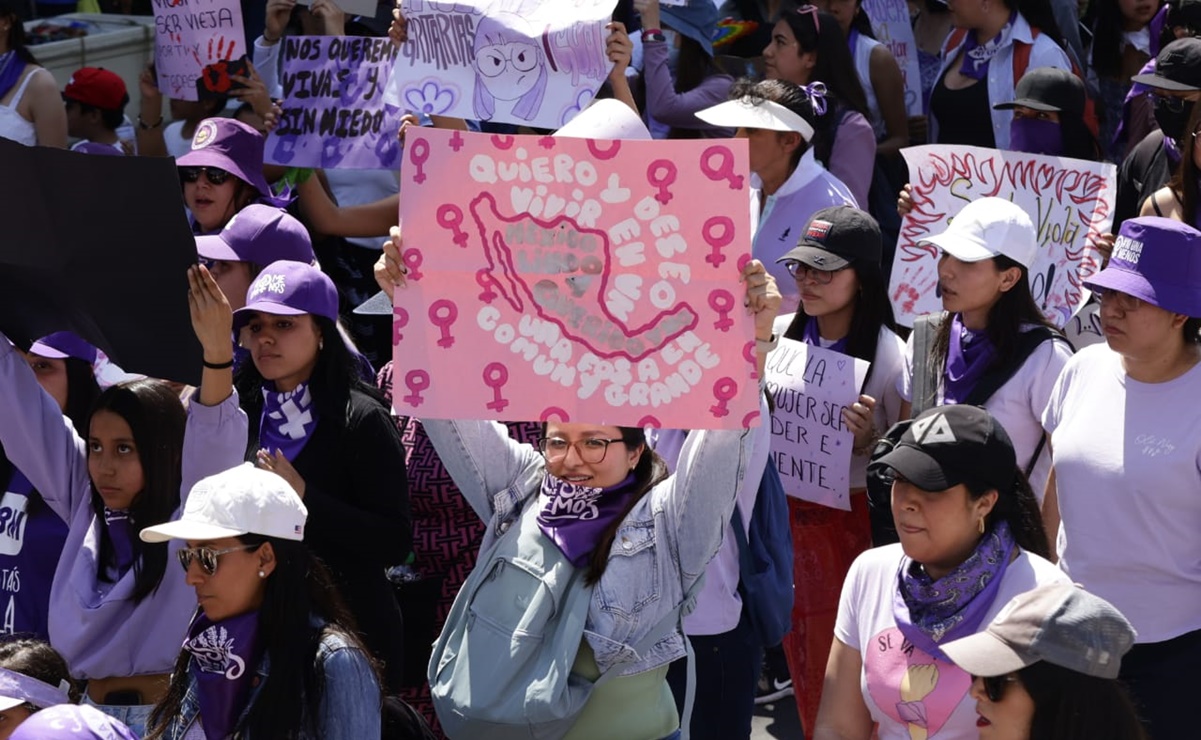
30, 544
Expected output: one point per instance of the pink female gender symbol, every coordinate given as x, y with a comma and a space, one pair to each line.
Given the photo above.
724, 170
724, 390
400, 319
485, 281
749, 419
661, 174
450, 217
748, 351
456, 141
725, 226
443, 314
723, 302
413, 259
502, 142
495, 376
649, 421
555, 413
743, 261
417, 381
603, 154
419, 152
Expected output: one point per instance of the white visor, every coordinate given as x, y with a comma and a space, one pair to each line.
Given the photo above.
748, 112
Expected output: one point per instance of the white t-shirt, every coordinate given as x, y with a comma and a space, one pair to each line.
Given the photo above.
935, 688
1128, 476
1018, 405
173, 138
881, 385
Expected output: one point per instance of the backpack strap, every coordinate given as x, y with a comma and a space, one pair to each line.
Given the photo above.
924, 386
999, 375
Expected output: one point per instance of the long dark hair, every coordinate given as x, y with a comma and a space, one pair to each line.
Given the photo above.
37, 659
1184, 179
1074, 706
1039, 15
1015, 308
693, 68
299, 588
157, 419
16, 32
1019, 508
1106, 24
872, 311
1079, 142
861, 22
785, 93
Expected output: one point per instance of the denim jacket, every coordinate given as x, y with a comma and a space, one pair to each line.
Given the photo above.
661, 548
350, 706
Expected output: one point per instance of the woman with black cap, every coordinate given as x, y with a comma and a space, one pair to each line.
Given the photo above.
1048, 116
971, 540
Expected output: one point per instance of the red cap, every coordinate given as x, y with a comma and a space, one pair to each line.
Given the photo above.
97, 87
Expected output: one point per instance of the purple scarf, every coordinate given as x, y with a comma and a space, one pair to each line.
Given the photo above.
968, 357
930, 612
852, 39
574, 516
121, 533
813, 339
1033, 136
224, 656
976, 55
11, 69
288, 420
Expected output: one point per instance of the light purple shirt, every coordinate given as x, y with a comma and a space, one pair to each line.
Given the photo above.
673, 109
96, 625
853, 157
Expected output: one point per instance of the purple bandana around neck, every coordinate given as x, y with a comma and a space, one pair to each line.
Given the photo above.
852, 40
968, 357
930, 612
224, 657
11, 68
288, 420
1172, 149
574, 516
121, 533
813, 338
976, 55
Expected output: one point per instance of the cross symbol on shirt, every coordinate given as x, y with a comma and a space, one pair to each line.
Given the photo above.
297, 419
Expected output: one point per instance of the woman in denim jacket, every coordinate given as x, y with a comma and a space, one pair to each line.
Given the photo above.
645, 539
268, 654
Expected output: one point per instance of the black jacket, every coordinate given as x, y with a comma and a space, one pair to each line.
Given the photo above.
1145, 170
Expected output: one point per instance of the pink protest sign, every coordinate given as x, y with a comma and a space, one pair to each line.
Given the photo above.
1070, 202
194, 43
573, 279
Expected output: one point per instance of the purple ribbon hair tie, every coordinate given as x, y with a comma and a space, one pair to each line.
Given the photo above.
817, 96
28, 690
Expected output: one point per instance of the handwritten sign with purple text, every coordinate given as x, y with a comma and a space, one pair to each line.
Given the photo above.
892, 27
575, 279
193, 38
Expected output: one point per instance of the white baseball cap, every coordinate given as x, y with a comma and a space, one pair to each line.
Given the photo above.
987, 228
241, 500
750, 112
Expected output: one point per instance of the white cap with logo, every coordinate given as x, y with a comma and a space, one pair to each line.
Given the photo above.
987, 228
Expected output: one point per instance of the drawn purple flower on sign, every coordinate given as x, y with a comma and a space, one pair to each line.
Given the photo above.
582, 99
429, 97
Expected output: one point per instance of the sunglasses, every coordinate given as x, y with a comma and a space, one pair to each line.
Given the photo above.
215, 175
994, 686
207, 556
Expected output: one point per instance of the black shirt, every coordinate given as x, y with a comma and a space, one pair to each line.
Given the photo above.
1146, 169
964, 116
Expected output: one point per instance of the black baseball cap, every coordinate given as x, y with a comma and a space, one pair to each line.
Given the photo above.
837, 236
1048, 89
1177, 68
948, 445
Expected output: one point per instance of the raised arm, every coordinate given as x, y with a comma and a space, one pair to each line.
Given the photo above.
482, 459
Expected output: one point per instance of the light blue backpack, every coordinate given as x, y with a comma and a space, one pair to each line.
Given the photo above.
501, 669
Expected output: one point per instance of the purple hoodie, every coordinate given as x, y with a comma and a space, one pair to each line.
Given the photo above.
94, 624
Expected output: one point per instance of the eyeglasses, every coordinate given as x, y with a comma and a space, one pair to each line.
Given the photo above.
800, 271
207, 556
994, 686
215, 175
1122, 301
591, 450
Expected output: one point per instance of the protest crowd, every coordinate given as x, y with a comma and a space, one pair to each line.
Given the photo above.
352, 287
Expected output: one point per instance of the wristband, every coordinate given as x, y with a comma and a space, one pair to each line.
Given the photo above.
653, 34
767, 345
219, 365
147, 126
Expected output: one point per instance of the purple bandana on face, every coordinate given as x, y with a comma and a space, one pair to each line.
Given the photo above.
930, 612
976, 55
224, 656
288, 420
968, 357
812, 338
121, 533
574, 516
1034, 136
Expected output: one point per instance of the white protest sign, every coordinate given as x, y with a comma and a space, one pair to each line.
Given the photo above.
1070, 202
891, 25
533, 63
1084, 328
352, 7
194, 41
810, 442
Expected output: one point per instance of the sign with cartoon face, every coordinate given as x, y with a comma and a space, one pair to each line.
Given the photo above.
575, 279
528, 62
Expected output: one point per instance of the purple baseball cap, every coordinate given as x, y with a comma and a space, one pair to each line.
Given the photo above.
1158, 260
229, 145
290, 289
72, 722
259, 234
63, 344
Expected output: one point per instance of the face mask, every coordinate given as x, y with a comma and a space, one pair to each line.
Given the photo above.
1035, 136
1172, 116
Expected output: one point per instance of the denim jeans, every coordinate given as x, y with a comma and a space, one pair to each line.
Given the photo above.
727, 667
135, 716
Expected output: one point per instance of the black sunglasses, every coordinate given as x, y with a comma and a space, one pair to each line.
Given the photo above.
215, 175
207, 556
994, 686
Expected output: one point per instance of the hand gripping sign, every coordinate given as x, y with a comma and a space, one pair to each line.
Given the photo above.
575, 279
1070, 202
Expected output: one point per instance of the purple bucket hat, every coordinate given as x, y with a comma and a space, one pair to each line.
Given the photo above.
1158, 260
72, 722
290, 289
232, 146
63, 344
259, 234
